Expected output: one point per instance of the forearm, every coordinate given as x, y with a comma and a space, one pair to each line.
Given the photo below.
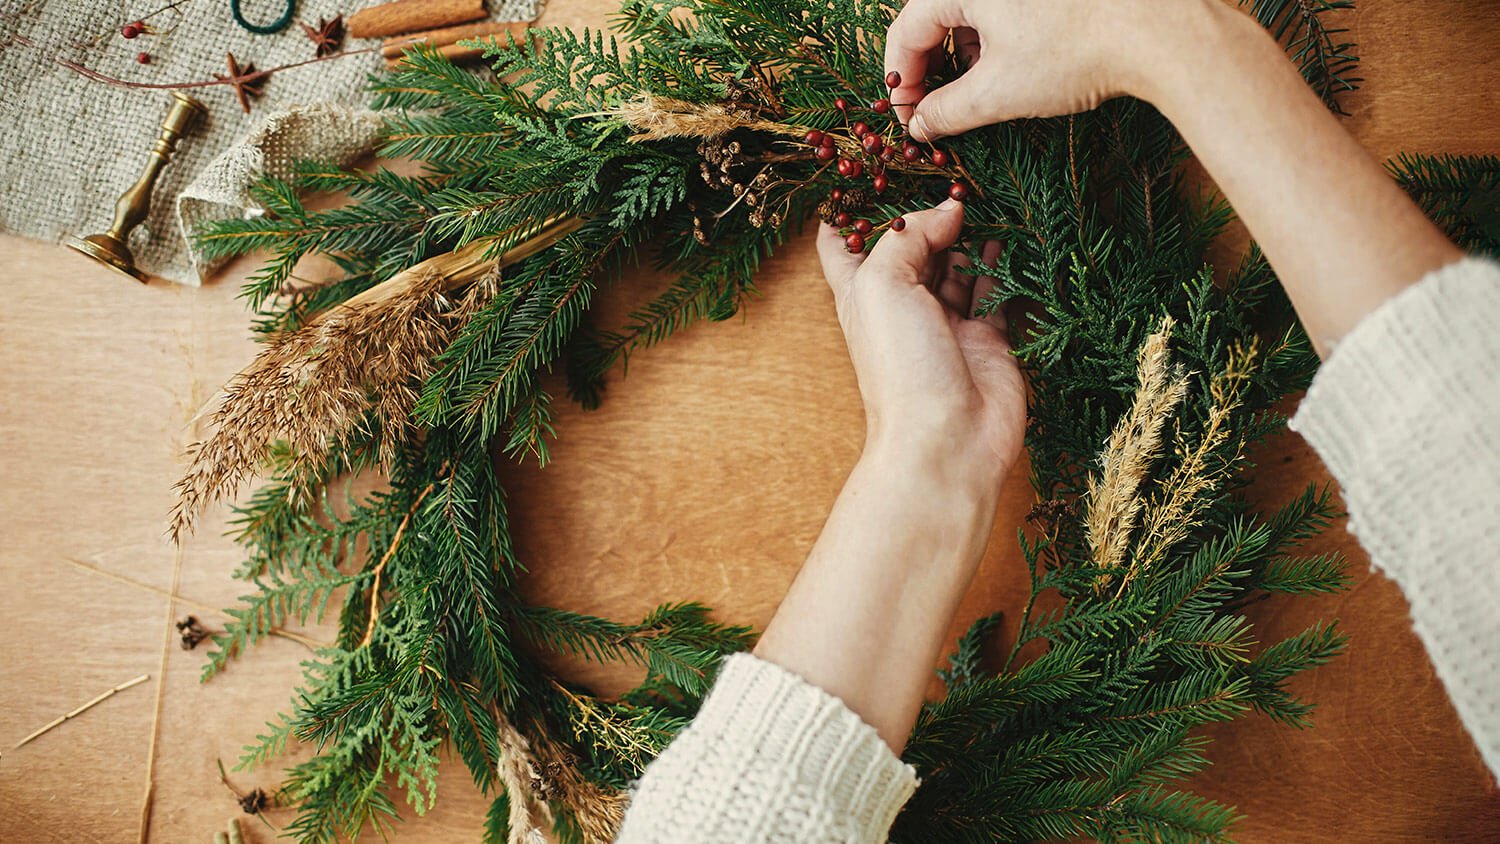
866, 618
1341, 235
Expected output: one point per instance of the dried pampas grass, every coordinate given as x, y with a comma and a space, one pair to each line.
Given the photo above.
317, 387
1114, 501
1187, 491
356, 364
1128, 533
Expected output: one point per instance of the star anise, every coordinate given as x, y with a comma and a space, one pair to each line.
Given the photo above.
245, 80
327, 36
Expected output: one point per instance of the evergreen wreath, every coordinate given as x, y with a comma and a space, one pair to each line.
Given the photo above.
726, 125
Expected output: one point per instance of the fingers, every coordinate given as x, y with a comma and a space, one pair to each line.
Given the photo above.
838, 262
955, 288
908, 254
966, 46
961, 105
920, 27
983, 285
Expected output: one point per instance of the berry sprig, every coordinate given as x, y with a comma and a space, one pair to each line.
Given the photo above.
863, 151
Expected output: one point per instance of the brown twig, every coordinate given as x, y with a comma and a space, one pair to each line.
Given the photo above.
307, 642
117, 82
380, 567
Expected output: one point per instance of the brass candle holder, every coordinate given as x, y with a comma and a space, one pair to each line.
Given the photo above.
112, 247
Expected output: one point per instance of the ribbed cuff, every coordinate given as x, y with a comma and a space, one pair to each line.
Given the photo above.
1413, 385
770, 758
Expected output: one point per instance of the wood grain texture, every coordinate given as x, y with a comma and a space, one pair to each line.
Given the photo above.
706, 475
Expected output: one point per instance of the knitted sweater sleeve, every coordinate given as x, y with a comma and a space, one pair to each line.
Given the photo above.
1406, 415
769, 758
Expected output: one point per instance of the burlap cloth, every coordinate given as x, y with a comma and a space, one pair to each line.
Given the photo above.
70, 145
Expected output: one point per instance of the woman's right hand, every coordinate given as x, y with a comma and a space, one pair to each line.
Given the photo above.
1026, 58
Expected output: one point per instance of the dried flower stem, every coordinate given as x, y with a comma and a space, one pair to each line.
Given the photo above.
380, 567
50, 725
307, 642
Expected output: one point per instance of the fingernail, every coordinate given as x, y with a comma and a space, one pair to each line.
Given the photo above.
950, 204
918, 127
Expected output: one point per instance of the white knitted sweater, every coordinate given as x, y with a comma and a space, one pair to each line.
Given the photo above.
1406, 415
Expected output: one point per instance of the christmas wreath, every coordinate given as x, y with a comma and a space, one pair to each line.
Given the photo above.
726, 125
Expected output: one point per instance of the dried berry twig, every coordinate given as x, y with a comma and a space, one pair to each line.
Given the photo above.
117, 82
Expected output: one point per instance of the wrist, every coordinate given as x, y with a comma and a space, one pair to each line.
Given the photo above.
934, 474
1165, 47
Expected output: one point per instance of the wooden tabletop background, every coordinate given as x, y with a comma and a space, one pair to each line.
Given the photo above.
706, 476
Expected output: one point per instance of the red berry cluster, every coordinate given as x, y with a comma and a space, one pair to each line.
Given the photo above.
135, 29
875, 152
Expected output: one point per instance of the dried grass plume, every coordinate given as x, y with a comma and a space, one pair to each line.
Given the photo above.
318, 387
1114, 499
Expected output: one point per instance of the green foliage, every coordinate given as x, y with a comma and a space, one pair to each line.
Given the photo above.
1085, 735
1327, 62
1461, 193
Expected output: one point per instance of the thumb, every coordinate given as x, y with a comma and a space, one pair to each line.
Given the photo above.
927, 233
961, 105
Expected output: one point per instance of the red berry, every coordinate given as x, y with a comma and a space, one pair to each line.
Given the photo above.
881, 105
845, 166
860, 129
842, 219
130, 30
888, 153
872, 143
841, 104
893, 80
863, 227
813, 137
958, 192
880, 183
898, 224
143, 58
939, 158
826, 153
855, 242
836, 194
856, 169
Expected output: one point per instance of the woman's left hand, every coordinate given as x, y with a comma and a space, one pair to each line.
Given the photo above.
938, 382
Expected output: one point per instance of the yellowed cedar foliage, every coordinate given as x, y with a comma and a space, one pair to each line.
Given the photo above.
1114, 497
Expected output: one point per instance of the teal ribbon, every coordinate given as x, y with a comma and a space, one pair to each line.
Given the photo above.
269, 29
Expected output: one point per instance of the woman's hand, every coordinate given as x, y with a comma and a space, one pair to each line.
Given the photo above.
1026, 58
939, 383
868, 615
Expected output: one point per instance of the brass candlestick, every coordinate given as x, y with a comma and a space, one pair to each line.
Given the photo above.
111, 248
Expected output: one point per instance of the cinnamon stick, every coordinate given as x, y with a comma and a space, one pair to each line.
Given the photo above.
392, 48
401, 16
456, 53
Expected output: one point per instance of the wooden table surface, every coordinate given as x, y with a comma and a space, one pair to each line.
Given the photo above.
706, 475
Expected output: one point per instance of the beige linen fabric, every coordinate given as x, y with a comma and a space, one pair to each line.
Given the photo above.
70, 145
